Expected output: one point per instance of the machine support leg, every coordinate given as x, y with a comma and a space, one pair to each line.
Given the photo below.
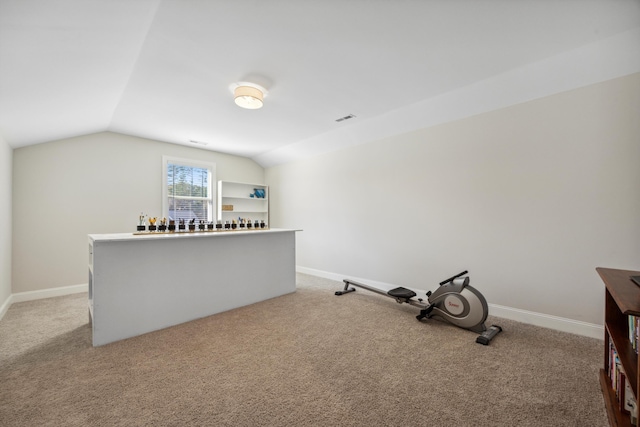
346, 289
425, 312
488, 335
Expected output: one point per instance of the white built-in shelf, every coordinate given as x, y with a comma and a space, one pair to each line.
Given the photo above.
238, 195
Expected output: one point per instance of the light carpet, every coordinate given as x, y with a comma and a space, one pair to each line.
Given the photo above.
305, 359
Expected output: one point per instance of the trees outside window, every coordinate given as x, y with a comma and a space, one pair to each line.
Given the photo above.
188, 190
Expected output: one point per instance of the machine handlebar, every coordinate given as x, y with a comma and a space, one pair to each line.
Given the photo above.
450, 279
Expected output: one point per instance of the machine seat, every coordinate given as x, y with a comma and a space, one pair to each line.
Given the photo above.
401, 293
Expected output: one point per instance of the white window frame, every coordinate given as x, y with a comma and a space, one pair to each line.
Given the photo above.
211, 179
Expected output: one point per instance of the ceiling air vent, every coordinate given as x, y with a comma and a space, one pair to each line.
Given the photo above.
198, 142
341, 119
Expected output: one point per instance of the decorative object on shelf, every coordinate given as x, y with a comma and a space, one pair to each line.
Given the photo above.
227, 208
141, 223
198, 226
164, 226
258, 193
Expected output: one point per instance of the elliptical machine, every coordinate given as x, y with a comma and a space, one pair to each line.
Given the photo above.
455, 301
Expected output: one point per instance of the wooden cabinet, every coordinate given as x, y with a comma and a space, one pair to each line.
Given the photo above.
622, 299
243, 200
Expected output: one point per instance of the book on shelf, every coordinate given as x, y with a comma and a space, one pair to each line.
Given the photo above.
629, 400
634, 324
624, 393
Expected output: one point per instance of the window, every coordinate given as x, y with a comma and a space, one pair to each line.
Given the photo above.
187, 189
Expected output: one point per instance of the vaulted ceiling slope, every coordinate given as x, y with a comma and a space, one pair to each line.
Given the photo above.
162, 69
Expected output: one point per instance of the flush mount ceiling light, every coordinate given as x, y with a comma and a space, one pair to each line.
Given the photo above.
248, 95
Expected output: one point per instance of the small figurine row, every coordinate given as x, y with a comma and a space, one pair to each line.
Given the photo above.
202, 225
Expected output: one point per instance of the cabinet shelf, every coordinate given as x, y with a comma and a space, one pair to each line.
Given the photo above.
622, 299
244, 212
255, 199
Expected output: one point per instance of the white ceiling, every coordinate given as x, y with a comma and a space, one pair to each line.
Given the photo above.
161, 69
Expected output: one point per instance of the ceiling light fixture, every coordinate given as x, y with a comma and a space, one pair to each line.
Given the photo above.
248, 95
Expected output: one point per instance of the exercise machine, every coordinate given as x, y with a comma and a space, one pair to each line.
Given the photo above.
455, 301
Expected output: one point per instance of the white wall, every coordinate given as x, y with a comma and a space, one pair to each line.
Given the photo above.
6, 154
530, 199
100, 183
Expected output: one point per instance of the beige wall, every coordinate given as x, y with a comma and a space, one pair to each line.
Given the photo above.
100, 183
530, 199
5, 222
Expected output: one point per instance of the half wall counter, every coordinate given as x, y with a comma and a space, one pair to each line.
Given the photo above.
143, 283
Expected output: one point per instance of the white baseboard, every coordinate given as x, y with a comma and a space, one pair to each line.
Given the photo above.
548, 321
538, 319
49, 293
339, 277
532, 318
41, 294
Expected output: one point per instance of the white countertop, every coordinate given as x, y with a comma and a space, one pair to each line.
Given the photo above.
178, 235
